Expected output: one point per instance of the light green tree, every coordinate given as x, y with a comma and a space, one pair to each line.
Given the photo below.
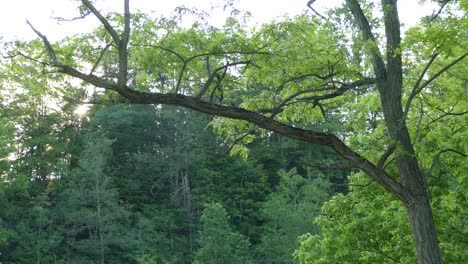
218, 243
289, 213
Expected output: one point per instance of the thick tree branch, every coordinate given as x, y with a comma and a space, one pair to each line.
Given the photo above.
392, 33
267, 123
262, 121
364, 26
123, 48
103, 21
92, 79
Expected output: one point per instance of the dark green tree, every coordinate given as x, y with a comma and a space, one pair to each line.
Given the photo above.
94, 222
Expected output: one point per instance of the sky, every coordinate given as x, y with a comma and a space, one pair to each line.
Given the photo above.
41, 13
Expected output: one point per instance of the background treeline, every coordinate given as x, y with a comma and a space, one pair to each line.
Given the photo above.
146, 184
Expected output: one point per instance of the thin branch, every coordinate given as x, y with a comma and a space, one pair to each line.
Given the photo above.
301, 77
437, 156
446, 68
168, 50
237, 140
316, 99
181, 75
416, 90
218, 83
213, 75
435, 15
46, 42
101, 55
309, 4
330, 167
386, 155
27, 57
438, 118
61, 19
360, 185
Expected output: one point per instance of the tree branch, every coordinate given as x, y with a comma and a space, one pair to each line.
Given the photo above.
47, 45
330, 167
309, 4
363, 23
392, 33
315, 137
416, 90
103, 21
446, 68
316, 99
213, 75
101, 55
385, 156
435, 15
61, 19
123, 48
437, 156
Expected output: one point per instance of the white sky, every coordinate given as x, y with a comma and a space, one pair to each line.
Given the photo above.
15, 12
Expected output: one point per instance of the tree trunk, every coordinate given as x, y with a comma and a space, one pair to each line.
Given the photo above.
419, 208
412, 178
389, 82
424, 232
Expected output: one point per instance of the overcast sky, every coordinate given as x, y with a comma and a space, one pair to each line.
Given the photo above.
40, 12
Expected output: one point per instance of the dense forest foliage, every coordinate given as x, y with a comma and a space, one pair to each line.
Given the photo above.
142, 176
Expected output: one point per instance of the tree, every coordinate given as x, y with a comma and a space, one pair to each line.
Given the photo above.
288, 213
218, 244
93, 220
215, 64
364, 226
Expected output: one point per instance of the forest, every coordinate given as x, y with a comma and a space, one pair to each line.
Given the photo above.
337, 137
